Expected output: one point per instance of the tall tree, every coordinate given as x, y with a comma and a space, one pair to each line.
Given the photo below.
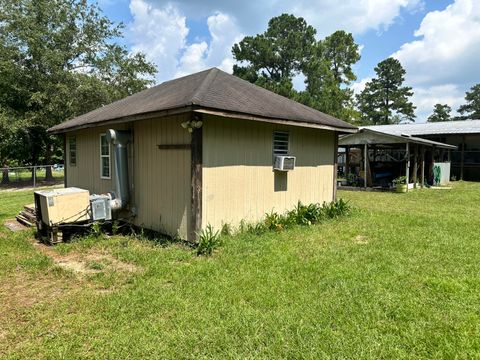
385, 100
329, 73
441, 112
273, 58
471, 110
58, 59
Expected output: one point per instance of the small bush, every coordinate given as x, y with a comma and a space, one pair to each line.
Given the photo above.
208, 240
336, 209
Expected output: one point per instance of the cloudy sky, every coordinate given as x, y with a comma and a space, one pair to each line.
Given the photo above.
437, 41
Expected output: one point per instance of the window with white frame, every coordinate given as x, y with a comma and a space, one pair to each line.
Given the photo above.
72, 150
104, 157
280, 143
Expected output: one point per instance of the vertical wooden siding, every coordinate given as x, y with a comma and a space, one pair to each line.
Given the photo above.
86, 174
159, 178
238, 180
162, 176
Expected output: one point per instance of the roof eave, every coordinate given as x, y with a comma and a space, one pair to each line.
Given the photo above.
197, 108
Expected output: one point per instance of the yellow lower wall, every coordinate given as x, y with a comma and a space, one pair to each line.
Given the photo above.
238, 179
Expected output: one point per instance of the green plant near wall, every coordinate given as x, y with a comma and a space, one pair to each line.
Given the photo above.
208, 241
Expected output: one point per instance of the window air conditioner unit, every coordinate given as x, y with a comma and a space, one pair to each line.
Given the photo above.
284, 163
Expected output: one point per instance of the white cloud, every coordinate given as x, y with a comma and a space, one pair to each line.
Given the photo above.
425, 99
356, 16
161, 33
448, 47
326, 16
358, 86
199, 56
443, 62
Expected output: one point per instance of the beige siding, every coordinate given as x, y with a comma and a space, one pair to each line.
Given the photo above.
162, 177
86, 174
238, 180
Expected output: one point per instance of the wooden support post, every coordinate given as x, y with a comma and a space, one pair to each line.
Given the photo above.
365, 154
335, 165
422, 173
415, 165
462, 159
196, 172
65, 155
407, 164
347, 162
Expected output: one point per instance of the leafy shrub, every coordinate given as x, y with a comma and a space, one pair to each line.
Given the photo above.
208, 240
274, 221
336, 209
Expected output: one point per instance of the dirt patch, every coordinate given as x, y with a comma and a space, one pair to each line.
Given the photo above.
90, 262
14, 225
360, 239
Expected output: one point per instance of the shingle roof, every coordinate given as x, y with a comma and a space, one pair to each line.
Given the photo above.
437, 128
209, 89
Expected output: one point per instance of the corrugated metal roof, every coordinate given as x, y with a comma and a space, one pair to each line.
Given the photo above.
370, 136
438, 128
209, 89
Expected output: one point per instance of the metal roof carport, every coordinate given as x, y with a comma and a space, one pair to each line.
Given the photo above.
366, 138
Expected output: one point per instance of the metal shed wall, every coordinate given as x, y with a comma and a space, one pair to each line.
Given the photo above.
238, 178
162, 177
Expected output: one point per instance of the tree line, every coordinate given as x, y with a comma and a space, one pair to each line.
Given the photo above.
60, 59
288, 48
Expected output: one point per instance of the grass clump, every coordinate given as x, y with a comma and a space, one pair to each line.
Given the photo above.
208, 240
306, 215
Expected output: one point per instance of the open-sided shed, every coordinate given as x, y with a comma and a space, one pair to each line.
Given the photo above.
201, 150
382, 157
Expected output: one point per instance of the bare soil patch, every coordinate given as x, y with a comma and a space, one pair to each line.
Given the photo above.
86, 263
14, 225
361, 240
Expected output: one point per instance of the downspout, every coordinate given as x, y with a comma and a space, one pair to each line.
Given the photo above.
119, 139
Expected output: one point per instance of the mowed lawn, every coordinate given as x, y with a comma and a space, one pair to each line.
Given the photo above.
399, 278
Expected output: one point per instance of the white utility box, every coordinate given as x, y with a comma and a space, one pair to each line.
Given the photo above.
63, 206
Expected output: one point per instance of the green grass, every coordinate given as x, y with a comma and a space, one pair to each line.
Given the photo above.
399, 278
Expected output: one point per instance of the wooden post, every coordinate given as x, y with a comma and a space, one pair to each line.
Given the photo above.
196, 172
347, 161
422, 173
65, 156
365, 154
407, 163
335, 165
415, 165
462, 159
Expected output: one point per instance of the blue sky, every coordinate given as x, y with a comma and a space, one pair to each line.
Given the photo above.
437, 41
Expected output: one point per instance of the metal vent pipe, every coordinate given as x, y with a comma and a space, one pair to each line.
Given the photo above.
119, 139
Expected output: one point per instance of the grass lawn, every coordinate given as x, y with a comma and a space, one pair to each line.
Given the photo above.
400, 278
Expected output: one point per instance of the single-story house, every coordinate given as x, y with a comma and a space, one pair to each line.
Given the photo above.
207, 148
465, 135
373, 158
